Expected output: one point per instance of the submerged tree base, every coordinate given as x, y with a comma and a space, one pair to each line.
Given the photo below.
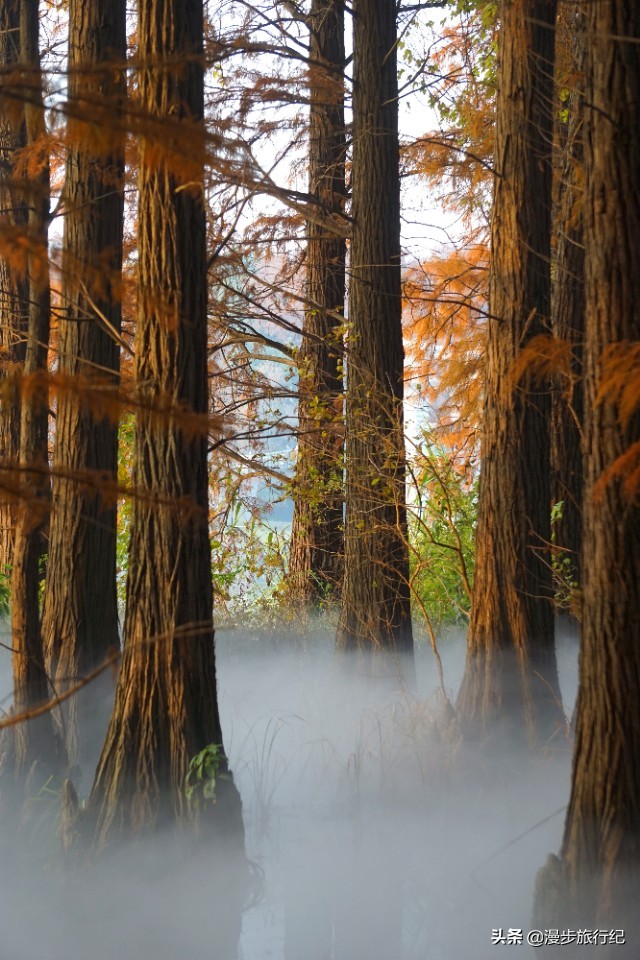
383, 666
565, 899
505, 698
30, 746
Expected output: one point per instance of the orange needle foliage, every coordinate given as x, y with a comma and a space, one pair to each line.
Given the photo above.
446, 295
445, 301
620, 387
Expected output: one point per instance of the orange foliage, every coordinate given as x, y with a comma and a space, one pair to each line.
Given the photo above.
545, 357
445, 303
26, 254
16, 486
625, 468
620, 384
446, 297
457, 158
104, 399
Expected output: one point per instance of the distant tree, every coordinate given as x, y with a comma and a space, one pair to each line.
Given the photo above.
317, 542
166, 709
595, 882
80, 620
510, 677
375, 613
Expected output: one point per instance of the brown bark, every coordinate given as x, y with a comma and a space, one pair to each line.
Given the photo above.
316, 556
80, 620
33, 741
375, 610
567, 317
14, 287
166, 709
601, 847
510, 678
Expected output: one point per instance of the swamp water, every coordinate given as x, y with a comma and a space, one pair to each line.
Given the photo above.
374, 834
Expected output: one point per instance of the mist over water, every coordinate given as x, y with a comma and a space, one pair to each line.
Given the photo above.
374, 833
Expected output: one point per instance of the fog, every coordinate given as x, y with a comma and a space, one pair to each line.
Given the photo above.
373, 832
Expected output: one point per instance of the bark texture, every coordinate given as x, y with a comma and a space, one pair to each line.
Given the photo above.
166, 708
567, 314
601, 848
317, 542
80, 621
510, 678
34, 741
14, 286
375, 609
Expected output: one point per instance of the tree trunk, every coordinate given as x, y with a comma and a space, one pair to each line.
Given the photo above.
166, 708
80, 621
33, 740
375, 612
567, 312
510, 680
316, 558
14, 286
601, 848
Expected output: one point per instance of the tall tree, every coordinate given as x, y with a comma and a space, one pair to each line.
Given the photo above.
14, 287
375, 611
599, 870
33, 741
316, 556
567, 314
510, 675
80, 620
166, 706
